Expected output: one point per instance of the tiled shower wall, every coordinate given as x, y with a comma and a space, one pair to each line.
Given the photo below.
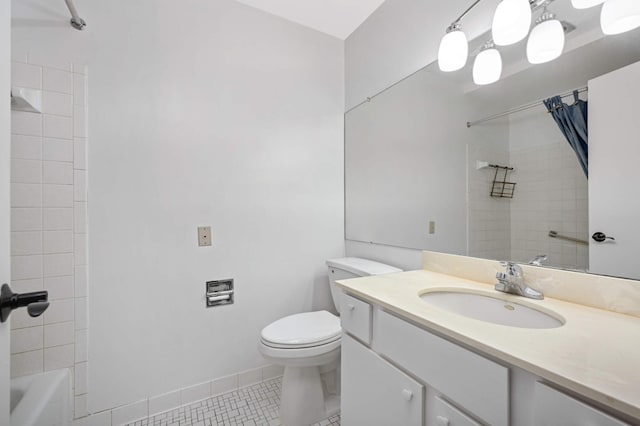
489, 218
49, 222
551, 193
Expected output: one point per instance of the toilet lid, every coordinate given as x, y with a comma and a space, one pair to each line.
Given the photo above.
304, 329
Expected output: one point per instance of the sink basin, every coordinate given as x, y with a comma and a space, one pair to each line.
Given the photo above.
490, 309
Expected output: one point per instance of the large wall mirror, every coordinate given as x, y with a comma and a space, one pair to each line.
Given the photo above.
417, 176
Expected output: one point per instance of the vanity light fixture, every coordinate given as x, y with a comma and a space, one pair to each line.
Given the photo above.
585, 4
511, 22
454, 49
546, 40
619, 16
487, 68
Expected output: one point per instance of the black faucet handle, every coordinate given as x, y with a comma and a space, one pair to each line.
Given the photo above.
10, 301
37, 308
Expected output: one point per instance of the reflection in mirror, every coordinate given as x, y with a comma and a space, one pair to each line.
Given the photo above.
417, 177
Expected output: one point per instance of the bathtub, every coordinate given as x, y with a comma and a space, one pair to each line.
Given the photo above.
41, 399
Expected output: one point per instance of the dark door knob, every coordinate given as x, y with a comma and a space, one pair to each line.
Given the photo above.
600, 237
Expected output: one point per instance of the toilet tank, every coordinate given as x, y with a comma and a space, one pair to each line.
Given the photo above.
353, 267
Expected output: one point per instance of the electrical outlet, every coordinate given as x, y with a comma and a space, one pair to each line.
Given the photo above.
432, 227
204, 236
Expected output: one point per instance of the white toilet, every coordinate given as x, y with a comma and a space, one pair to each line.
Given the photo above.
308, 346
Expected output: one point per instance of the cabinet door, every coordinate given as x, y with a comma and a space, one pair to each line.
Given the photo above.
374, 393
355, 317
553, 407
441, 413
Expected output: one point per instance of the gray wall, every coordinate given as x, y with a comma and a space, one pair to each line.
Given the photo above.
201, 113
399, 38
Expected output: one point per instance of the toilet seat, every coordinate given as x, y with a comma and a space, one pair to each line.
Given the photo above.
305, 330
309, 337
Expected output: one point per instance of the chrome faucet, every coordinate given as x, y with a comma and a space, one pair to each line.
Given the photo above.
512, 281
537, 261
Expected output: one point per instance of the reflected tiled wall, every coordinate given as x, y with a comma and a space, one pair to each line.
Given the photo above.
489, 218
552, 192
552, 195
49, 222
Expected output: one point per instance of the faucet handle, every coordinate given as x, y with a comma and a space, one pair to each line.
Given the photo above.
512, 268
537, 261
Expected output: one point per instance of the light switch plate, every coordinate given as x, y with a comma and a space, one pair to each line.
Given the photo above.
204, 236
432, 227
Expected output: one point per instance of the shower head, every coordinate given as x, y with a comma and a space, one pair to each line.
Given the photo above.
76, 21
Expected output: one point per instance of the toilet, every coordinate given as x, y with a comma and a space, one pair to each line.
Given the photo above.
308, 346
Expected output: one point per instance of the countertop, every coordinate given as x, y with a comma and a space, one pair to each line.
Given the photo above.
596, 353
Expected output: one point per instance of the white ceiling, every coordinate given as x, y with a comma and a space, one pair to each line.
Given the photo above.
338, 18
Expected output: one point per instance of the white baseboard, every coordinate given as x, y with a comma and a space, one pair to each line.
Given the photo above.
157, 404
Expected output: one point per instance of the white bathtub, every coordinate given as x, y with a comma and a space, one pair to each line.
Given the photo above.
41, 399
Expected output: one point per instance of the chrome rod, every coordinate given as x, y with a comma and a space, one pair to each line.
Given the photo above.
554, 234
76, 21
466, 11
522, 108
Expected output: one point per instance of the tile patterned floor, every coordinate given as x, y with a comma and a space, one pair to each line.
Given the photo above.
255, 405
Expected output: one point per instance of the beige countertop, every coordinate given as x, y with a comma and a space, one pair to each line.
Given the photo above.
596, 353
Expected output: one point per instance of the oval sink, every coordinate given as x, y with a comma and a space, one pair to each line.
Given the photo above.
491, 309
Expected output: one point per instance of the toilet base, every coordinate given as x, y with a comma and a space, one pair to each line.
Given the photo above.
308, 396
302, 399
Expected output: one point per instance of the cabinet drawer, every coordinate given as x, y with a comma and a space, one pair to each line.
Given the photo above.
444, 414
375, 393
552, 407
473, 382
355, 317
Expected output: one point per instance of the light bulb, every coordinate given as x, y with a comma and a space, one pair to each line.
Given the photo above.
487, 67
511, 22
585, 4
546, 41
454, 49
619, 16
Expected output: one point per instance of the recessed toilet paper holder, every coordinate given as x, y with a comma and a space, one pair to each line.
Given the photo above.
219, 292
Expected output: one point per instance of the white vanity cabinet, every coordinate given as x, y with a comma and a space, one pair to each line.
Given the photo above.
474, 383
397, 373
375, 393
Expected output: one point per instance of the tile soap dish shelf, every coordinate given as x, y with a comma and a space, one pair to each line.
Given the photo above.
25, 99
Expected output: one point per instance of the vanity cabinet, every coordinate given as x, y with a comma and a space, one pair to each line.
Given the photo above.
374, 392
470, 380
397, 373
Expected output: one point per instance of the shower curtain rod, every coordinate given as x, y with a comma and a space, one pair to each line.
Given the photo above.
522, 108
76, 21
